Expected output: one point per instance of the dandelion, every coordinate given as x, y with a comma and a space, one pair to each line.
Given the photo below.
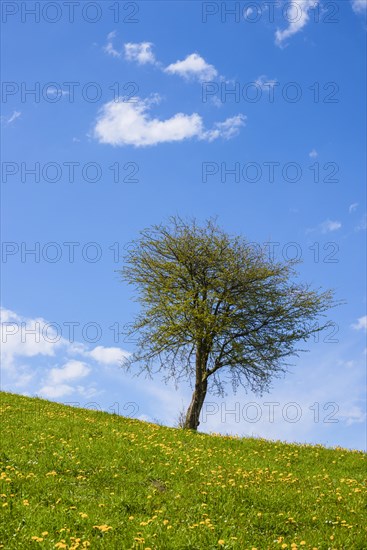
25, 502
102, 528
221, 542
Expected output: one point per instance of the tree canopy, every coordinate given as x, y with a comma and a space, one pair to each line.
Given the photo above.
215, 308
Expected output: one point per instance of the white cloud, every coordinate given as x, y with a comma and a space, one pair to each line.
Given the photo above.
122, 123
328, 226
109, 47
313, 154
11, 118
14, 116
72, 370
26, 337
27, 347
353, 415
297, 16
227, 129
55, 90
53, 392
264, 83
140, 52
362, 226
108, 356
361, 324
359, 6
193, 67
353, 207
56, 382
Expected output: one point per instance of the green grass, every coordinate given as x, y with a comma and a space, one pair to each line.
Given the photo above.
74, 478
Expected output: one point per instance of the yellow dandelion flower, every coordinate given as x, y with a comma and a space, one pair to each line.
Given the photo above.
221, 542
103, 528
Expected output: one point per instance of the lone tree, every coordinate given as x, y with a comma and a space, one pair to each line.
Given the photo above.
214, 305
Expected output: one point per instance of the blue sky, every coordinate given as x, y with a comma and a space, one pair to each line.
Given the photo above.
257, 117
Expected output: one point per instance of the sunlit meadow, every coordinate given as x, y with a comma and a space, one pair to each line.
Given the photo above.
74, 478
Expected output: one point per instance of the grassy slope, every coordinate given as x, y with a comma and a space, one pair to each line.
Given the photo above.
73, 478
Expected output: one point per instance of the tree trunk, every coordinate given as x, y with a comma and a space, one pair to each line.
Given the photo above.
201, 385
192, 416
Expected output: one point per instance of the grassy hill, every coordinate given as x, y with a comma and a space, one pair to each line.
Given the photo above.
72, 478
